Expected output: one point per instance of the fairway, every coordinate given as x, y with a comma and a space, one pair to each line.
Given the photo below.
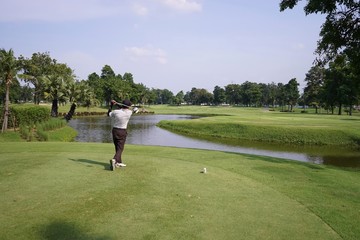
262, 125
66, 191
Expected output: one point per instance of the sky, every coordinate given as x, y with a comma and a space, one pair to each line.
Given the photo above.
167, 44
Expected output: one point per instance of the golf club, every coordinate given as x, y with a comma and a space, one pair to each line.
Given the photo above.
134, 108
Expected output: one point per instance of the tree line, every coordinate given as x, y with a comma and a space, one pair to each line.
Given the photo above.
48, 80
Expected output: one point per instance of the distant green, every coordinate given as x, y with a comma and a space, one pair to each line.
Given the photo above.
260, 124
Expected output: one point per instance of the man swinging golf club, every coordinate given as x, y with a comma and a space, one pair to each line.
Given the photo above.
119, 119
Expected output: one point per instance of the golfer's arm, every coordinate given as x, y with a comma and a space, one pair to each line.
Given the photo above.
110, 109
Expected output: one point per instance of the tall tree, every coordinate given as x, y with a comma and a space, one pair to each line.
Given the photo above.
35, 69
109, 86
8, 70
179, 98
107, 72
152, 97
108, 79
281, 95
200, 96
167, 96
273, 91
341, 83
140, 94
96, 83
232, 92
265, 94
219, 95
250, 93
128, 77
314, 81
292, 93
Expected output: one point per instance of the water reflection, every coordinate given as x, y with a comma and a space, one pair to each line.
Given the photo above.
142, 130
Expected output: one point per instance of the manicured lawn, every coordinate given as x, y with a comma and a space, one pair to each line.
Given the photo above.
53, 190
259, 124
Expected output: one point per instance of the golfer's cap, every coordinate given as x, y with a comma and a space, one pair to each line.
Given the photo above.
126, 102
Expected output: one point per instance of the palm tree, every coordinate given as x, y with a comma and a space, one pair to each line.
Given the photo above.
87, 96
56, 86
73, 91
54, 91
8, 72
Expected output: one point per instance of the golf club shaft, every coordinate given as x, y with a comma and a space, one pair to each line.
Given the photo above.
121, 104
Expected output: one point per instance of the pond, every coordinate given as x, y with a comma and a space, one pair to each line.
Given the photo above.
142, 130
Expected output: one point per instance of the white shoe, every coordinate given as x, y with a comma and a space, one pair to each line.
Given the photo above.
112, 164
120, 165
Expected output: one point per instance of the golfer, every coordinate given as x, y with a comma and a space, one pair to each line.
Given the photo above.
119, 120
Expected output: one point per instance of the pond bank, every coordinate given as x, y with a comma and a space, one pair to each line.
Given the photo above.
142, 130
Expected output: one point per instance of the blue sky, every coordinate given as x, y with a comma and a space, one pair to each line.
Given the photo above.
167, 44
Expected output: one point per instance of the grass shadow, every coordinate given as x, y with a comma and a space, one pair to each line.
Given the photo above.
60, 230
351, 119
349, 163
89, 161
280, 160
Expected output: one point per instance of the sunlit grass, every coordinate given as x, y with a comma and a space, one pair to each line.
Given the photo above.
257, 124
53, 190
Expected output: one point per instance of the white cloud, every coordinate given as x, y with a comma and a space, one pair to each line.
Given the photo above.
146, 54
140, 9
183, 5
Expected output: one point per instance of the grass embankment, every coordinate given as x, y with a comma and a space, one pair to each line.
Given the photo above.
54, 134
65, 191
266, 126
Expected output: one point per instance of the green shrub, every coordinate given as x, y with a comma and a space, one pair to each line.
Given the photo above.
27, 115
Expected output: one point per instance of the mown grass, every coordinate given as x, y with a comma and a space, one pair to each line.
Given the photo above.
53, 190
68, 193
267, 126
10, 136
300, 135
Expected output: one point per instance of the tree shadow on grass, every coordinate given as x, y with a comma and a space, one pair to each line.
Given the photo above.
62, 230
89, 161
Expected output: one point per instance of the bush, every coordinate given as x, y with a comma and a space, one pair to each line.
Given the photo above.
33, 121
26, 115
